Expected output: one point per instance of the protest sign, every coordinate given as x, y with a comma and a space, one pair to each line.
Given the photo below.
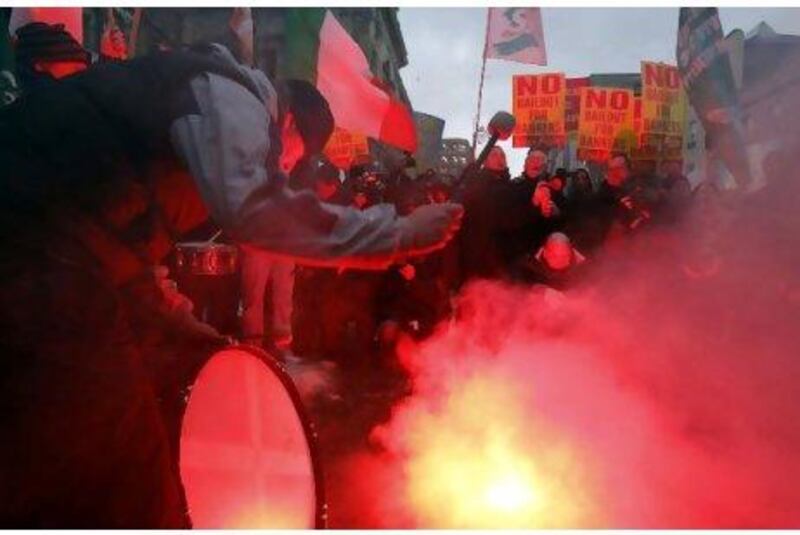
343, 147
605, 124
538, 106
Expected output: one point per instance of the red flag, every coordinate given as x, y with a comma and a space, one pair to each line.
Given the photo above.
320, 50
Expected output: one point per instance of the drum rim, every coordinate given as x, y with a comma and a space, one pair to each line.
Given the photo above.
200, 246
309, 430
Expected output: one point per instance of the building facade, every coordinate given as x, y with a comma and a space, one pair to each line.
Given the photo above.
455, 156
376, 30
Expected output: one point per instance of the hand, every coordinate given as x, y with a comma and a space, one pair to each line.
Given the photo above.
543, 200
174, 301
541, 195
429, 228
155, 300
627, 202
407, 272
548, 209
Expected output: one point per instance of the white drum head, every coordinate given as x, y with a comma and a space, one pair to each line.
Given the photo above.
245, 460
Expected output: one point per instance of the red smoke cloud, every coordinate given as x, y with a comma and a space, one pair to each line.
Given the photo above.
662, 393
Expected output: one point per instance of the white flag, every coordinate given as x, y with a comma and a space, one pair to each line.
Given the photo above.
515, 34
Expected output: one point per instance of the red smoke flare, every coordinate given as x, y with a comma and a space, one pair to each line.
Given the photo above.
647, 399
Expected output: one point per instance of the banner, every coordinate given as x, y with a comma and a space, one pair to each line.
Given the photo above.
572, 103
344, 147
515, 34
538, 106
702, 58
606, 122
710, 84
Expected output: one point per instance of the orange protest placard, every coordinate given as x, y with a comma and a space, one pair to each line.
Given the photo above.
663, 111
605, 124
538, 106
344, 147
648, 146
663, 100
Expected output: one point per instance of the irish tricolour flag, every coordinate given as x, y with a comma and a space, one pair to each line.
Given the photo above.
321, 51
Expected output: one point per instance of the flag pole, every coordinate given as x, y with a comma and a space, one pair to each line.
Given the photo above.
480, 87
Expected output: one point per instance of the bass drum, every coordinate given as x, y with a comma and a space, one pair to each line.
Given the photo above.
247, 457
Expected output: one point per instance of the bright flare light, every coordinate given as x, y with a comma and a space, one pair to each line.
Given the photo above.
509, 494
476, 460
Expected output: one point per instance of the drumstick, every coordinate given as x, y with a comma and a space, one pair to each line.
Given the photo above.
215, 236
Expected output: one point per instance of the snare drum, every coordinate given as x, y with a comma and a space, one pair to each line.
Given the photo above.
206, 258
246, 452
207, 273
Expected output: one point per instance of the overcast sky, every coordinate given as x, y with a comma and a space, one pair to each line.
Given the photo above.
445, 45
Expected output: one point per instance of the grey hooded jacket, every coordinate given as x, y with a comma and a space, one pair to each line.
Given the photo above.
225, 147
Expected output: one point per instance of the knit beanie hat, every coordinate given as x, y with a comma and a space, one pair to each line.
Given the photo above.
39, 41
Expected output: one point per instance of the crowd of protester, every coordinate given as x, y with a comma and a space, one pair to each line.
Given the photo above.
343, 315
543, 226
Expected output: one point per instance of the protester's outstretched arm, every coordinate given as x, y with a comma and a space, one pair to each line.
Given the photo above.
300, 226
225, 145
